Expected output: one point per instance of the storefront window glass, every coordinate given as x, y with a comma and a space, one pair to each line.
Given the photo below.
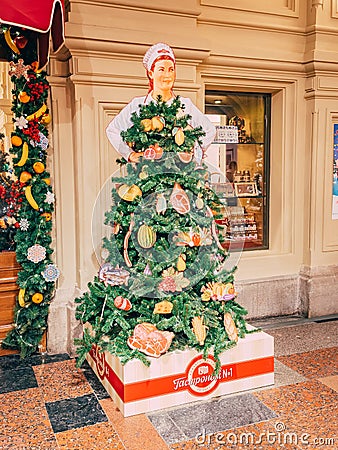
241, 152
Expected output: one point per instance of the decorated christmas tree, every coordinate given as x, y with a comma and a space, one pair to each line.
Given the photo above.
164, 284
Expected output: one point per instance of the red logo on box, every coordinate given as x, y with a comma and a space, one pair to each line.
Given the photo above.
199, 377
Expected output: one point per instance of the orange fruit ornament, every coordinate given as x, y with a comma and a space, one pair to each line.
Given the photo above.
185, 157
38, 167
146, 124
25, 176
179, 200
24, 97
37, 298
46, 180
16, 141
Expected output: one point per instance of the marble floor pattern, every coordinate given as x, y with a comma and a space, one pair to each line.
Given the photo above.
47, 403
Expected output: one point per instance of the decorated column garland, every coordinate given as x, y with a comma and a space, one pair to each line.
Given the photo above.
29, 139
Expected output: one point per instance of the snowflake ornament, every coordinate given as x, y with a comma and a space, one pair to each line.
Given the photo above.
50, 198
51, 273
36, 253
21, 122
44, 142
24, 224
18, 70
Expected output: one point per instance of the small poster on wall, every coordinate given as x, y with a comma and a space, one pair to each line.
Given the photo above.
335, 173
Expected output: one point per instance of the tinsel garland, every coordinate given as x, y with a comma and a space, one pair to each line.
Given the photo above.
37, 276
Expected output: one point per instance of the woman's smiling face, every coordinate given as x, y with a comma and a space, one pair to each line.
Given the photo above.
163, 75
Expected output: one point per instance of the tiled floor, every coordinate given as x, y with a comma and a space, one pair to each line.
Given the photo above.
49, 404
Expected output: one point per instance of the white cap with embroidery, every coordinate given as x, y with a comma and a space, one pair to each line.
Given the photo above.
159, 49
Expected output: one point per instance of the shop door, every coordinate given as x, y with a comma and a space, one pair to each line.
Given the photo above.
8, 291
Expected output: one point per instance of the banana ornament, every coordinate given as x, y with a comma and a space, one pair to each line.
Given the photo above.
10, 42
37, 113
21, 297
24, 155
30, 198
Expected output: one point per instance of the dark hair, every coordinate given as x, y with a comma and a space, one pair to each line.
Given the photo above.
233, 164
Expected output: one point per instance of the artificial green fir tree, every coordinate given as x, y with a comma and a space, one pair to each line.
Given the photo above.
164, 284
37, 275
9, 202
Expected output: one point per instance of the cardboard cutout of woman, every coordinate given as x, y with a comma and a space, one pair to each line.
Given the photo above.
160, 64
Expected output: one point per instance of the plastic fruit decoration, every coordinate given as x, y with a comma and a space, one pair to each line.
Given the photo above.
149, 153
25, 176
146, 236
24, 97
46, 119
37, 298
179, 200
20, 41
129, 193
10, 42
38, 167
179, 137
185, 157
157, 123
24, 155
21, 297
37, 113
16, 141
146, 124
153, 152
47, 216
30, 198
181, 265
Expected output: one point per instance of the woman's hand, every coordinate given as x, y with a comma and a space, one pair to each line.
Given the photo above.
134, 157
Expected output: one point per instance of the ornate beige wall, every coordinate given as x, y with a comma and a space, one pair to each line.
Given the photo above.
286, 48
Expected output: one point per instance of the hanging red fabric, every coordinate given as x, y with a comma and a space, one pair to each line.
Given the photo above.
46, 17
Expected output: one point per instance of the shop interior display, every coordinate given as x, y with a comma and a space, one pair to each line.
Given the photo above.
245, 161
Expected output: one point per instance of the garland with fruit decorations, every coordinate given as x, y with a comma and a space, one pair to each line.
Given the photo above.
164, 285
38, 274
10, 200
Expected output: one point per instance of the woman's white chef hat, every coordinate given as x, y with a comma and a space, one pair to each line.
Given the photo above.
154, 52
